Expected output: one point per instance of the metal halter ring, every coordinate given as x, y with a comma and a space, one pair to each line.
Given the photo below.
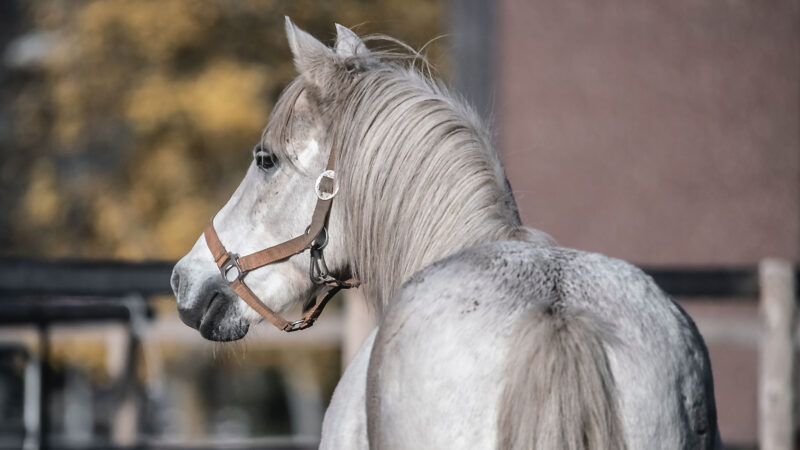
231, 271
330, 174
315, 245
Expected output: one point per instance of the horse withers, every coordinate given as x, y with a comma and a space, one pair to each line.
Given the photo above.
489, 335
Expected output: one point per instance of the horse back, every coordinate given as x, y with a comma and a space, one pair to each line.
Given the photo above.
441, 358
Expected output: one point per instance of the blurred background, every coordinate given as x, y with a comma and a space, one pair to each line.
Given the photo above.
664, 133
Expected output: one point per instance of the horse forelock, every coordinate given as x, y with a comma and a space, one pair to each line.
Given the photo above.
277, 134
336, 83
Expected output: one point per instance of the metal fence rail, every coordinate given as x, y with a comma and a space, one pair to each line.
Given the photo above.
43, 292
83, 278
114, 279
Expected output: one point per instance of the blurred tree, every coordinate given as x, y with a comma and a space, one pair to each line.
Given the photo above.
125, 125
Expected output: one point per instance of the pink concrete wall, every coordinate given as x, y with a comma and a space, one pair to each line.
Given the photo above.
659, 132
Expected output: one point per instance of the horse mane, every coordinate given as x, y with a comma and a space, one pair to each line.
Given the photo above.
419, 178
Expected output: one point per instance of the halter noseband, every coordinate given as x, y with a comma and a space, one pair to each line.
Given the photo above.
234, 268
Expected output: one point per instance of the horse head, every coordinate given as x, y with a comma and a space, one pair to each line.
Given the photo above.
275, 200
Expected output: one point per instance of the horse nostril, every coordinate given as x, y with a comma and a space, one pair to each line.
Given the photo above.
175, 280
192, 317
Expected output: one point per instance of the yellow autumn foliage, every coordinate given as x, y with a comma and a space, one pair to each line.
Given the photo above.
138, 122
42, 202
225, 98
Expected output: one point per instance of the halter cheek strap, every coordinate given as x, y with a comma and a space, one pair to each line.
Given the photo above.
234, 268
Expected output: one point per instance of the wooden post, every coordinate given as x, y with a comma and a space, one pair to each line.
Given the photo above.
777, 355
303, 394
124, 367
358, 323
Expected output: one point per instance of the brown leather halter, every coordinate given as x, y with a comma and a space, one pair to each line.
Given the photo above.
234, 268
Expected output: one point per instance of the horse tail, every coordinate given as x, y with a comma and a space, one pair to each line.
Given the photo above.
559, 391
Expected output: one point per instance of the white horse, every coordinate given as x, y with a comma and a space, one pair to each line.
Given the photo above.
489, 335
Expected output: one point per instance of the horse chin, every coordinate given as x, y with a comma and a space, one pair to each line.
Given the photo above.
221, 322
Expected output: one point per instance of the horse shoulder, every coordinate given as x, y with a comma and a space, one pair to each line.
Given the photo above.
436, 365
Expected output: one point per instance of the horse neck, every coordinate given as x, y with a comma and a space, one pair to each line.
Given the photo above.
408, 207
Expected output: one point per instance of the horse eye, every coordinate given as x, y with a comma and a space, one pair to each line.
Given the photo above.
264, 159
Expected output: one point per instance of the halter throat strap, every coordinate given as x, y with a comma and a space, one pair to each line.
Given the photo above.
233, 268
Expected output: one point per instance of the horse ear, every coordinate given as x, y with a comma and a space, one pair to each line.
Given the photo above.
348, 44
312, 58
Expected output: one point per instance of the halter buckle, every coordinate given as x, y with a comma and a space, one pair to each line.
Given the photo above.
298, 325
230, 269
323, 195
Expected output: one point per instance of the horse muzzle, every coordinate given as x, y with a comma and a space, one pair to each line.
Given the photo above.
210, 308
